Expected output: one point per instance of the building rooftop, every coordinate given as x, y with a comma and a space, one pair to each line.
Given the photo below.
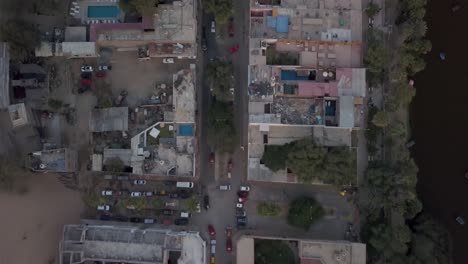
128, 244
55, 160
176, 22
79, 49
184, 95
4, 75
109, 119
75, 34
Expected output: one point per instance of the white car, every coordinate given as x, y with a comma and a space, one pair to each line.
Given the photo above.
213, 27
106, 193
105, 67
168, 60
139, 182
103, 207
245, 188
239, 205
86, 68
135, 194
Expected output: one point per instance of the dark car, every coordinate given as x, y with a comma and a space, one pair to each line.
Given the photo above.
174, 195
206, 202
136, 219
170, 183
242, 194
181, 221
185, 194
86, 75
211, 231
212, 157
204, 43
240, 212
241, 221
105, 217
121, 218
167, 212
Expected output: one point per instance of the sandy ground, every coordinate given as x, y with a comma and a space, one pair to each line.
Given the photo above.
32, 223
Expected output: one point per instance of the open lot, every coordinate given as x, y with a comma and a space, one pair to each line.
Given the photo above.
32, 228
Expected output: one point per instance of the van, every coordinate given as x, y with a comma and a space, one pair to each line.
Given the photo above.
148, 221
185, 214
184, 184
225, 187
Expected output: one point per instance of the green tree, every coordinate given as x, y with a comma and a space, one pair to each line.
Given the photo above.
192, 204
272, 252
381, 119
274, 157
307, 160
219, 74
221, 9
268, 209
114, 165
141, 7
372, 9
22, 38
93, 200
304, 211
377, 55
157, 203
221, 132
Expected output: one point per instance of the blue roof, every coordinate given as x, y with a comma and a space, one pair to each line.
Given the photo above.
282, 24
271, 22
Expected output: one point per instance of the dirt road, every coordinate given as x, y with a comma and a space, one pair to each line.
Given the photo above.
32, 223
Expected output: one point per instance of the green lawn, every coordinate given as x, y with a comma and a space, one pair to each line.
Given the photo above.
273, 252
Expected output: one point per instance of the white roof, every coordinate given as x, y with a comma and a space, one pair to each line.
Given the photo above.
346, 111
79, 49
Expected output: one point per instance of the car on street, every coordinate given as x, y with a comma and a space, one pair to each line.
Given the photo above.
181, 221
213, 246
104, 67
229, 244
241, 221
206, 202
105, 217
242, 199
136, 194
204, 44
161, 193
103, 207
242, 194
170, 183
167, 212
229, 165
100, 74
240, 212
168, 60
121, 218
185, 214
239, 205
231, 27
172, 203
135, 220
234, 49
106, 193
86, 75
184, 194
225, 187
211, 231
213, 27
460, 220
148, 194
149, 221
122, 178
212, 157
174, 195
245, 188
86, 68
139, 182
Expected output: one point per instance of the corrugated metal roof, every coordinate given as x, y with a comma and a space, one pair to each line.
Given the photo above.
79, 49
109, 119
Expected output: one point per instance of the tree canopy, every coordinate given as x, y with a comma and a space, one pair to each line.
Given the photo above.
219, 74
22, 37
221, 132
272, 252
268, 209
221, 9
304, 211
310, 161
381, 119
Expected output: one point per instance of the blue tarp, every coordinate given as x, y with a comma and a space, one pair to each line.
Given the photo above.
271, 22
282, 24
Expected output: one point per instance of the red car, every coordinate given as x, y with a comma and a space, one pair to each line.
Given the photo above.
242, 199
101, 74
228, 239
234, 49
230, 165
211, 230
242, 194
212, 157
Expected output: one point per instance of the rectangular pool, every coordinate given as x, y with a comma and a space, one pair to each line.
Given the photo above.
103, 11
185, 130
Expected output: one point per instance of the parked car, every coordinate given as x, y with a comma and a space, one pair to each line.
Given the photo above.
174, 195
184, 184
213, 246
139, 182
185, 194
245, 188
106, 193
229, 232
239, 205
234, 49
148, 194
170, 183
229, 244
121, 218
168, 60
122, 178
161, 193
167, 221
203, 41
460, 220
243, 194
240, 212
225, 187
241, 221
103, 207
181, 221
242, 199
185, 214
136, 219
86, 68
100, 74
172, 203
167, 212
206, 202
231, 27
149, 221
105, 67
213, 27
86, 75
212, 157
211, 231
105, 217
136, 194
229, 165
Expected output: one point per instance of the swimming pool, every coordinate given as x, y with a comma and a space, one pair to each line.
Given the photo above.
288, 75
103, 11
185, 130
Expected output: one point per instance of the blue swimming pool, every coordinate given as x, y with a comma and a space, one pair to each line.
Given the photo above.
287, 75
185, 130
103, 11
